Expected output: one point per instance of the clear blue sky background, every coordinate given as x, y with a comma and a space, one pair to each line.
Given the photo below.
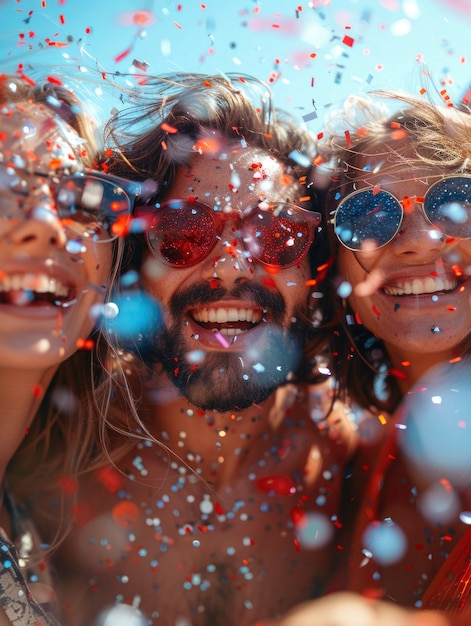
313, 53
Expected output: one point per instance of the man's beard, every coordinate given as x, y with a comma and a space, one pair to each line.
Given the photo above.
225, 381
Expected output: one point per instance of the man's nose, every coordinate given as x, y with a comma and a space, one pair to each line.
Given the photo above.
230, 259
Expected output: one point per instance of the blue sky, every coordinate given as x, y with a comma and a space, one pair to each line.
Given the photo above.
313, 53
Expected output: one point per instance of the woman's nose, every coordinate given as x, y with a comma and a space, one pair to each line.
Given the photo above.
417, 236
36, 226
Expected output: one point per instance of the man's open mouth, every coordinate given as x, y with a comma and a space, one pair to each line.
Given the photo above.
34, 289
228, 321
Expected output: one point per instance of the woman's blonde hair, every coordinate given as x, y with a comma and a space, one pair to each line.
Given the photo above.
437, 135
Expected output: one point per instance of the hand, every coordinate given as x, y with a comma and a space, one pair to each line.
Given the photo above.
350, 609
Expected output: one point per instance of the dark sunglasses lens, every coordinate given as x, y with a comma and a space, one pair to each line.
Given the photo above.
367, 220
448, 206
91, 204
279, 237
181, 234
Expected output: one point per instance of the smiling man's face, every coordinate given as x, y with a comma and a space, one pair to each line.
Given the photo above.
233, 327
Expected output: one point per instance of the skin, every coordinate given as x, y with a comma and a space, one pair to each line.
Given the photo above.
37, 335
201, 507
405, 322
348, 609
228, 268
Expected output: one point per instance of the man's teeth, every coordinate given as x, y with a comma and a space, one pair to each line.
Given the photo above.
419, 286
39, 283
223, 316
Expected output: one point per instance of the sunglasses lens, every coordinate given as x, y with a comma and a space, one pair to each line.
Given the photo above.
448, 206
367, 220
91, 206
278, 236
181, 233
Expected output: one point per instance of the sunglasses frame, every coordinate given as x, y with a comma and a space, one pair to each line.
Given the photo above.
400, 203
313, 219
132, 191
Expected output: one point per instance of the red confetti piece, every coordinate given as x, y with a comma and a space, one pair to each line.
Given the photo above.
54, 80
397, 135
110, 478
407, 204
126, 514
121, 227
297, 515
375, 310
348, 41
348, 138
397, 373
85, 344
122, 55
27, 79
57, 44
169, 129
282, 485
38, 391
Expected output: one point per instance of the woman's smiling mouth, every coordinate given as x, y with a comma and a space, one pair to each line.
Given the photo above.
34, 289
419, 286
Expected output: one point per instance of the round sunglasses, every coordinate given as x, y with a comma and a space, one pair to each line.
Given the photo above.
372, 217
182, 233
89, 204
97, 205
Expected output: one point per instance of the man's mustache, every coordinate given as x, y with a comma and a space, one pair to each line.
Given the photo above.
202, 294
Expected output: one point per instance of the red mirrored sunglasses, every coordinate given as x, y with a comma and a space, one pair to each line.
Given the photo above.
182, 233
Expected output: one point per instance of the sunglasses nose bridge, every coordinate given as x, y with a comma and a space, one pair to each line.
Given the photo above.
413, 211
232, 238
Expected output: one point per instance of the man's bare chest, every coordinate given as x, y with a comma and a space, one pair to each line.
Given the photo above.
260, 542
